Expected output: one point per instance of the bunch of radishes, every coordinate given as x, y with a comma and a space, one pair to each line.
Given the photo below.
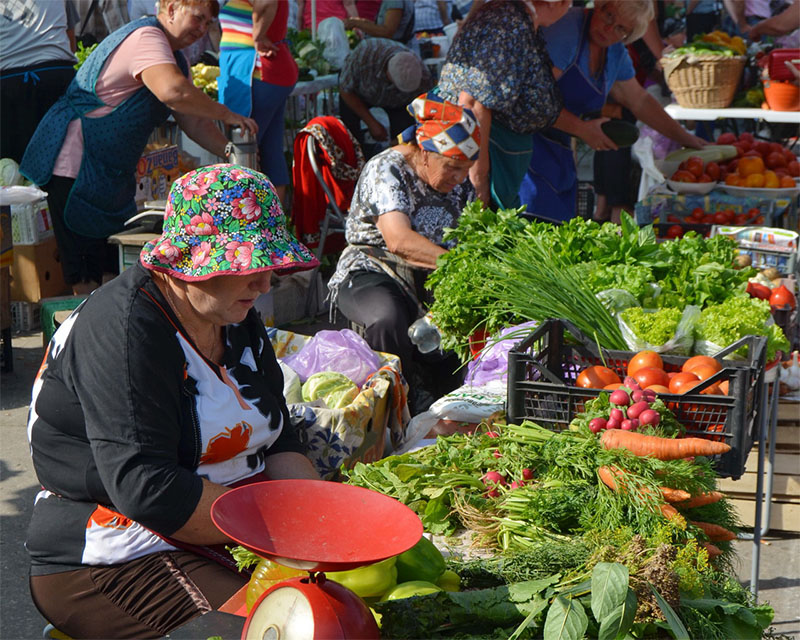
495, 479
630, 409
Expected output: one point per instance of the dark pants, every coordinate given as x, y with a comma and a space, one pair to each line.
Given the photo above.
377, 302
26, 93
82, 258
399, 121
144, 598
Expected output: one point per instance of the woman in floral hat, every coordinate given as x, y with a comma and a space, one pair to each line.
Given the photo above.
159, 393
404, 199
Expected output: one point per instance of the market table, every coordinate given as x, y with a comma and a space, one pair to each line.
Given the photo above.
682, 113
309, 99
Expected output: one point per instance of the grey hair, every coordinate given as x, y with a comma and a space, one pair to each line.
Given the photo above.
641, 12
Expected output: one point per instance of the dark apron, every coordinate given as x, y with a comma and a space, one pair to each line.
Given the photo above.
549, 187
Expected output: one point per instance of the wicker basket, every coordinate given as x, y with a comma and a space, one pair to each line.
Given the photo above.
703, 81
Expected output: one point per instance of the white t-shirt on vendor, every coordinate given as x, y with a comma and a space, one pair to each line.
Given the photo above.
119, 79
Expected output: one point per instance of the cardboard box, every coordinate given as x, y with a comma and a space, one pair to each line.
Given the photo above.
155, 173
36, 272
31, 222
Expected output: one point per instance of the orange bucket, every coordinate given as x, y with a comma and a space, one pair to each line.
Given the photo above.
782, 96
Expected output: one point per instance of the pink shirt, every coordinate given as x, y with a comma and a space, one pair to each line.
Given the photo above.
119, 79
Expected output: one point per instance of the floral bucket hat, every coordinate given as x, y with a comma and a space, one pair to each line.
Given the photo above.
224, 219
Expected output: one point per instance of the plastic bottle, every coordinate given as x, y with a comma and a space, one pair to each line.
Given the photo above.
424, 334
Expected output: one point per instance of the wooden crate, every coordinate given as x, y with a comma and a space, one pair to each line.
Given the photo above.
785, 511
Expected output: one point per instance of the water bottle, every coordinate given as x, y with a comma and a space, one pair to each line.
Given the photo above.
424, 334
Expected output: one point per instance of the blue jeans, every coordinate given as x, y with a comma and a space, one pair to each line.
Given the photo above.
269, 104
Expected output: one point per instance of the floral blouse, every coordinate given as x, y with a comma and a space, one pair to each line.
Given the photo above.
388, 183
502, 62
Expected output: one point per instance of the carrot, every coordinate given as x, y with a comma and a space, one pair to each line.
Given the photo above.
712, 550
674, 495
715, 532
608, 476
661, 448
701, 499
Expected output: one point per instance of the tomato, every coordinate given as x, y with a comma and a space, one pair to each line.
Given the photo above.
694, 361
644, 359
762, 148
750, 165
658, 388
776, 146
744, 145
787, 182
708, 218
647, 376
739, 150
705, 178
671, 218
675, 231
732, 166
759, 220
740, 219
755, 180
713, 170
596, 377
679, 381
775, 159
682, 175
726, 138
732, 179
753, 212
746, 137
613, 386
698, 213
789, 156
771, 180
794, 168
694, 165
724, 387
730, 214
720, 218
704, 371
782, 297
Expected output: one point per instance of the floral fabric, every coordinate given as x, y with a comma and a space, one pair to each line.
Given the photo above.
224, 219
388, 183
500, 60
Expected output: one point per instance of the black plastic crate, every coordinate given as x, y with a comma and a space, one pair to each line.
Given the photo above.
543, 368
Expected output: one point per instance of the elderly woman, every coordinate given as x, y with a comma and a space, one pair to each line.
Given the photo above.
499, 68
404, 199
85, 150
591, 64
159, 393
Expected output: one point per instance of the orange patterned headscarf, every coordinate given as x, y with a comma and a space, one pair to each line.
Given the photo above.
443, 127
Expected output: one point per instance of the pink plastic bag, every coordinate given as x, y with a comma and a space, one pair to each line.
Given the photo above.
343, 351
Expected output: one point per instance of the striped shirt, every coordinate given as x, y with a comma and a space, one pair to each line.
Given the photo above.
236, 20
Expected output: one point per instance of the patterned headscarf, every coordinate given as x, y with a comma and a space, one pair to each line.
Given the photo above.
443, 127
224, 219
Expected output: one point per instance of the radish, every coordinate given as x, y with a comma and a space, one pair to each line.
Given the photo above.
617, 414
638, 395
635, 409
620, 397
527, 474
597, 425
649, 395
495, 477
497, 454
516, 484
650, 416
631, 383
492, 434
613, 423
627, 425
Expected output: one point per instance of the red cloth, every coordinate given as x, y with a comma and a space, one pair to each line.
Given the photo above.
310, 201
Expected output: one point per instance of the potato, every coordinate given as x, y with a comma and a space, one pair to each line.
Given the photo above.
742, 260
770, 273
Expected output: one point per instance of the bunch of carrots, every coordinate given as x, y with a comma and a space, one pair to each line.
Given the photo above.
673, 499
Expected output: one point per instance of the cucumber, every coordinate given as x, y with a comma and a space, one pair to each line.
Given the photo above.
711, 153
622, 133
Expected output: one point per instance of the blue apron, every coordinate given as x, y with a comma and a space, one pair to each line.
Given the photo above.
550, 186
102, 198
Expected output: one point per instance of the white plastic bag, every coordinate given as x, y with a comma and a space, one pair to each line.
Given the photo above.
681, 343
331, 32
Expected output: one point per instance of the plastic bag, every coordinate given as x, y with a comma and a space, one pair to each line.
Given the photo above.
332, 34
292, 388
343, 351
617, 300
681, 343
491, 366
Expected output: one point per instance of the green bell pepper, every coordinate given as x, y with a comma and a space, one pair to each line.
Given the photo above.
410, 589
423, 561
449, 581
370, 581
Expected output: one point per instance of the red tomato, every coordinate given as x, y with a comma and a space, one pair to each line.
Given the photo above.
720, 218
775, 159
733, 165
759, 220
704, 371
762, 148
746, 137
794, 168
726, 138
671, 218
694, 165
682, 175
739, 150
776, 146
708, 218
596, 377
705, 178
644, 359
677, 383
658, 388
648, 376
713, 170
740, 219
698, 213
675, 231
744, 145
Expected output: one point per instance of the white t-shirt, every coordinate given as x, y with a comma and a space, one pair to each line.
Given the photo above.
35, 31
119, 79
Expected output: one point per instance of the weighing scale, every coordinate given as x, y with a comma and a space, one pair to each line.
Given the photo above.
314, 526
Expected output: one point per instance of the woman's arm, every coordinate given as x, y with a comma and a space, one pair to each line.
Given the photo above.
402, 240
646, 108
178, 93
785, 22
391, 20
350, 8
479, 172
263, 14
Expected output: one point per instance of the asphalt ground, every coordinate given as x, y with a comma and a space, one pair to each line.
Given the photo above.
779, 575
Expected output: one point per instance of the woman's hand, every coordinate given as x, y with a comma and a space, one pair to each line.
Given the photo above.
236, 120
479, 177
266, 48
591, 132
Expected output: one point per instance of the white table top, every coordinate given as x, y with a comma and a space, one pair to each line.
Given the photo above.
320, 83
681, 113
